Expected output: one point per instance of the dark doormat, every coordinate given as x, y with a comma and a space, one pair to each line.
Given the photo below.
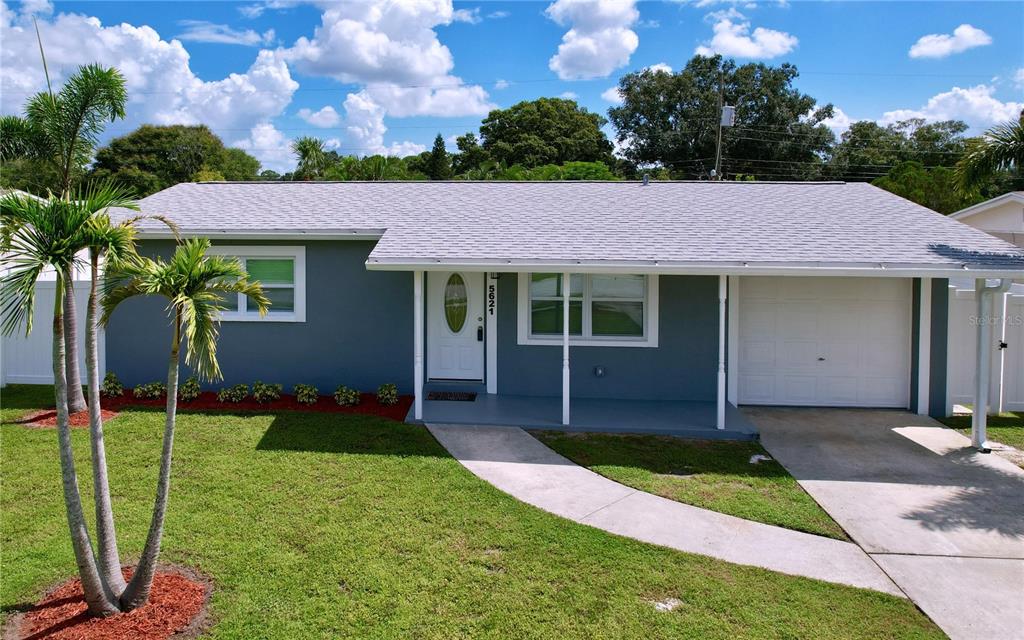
454, 396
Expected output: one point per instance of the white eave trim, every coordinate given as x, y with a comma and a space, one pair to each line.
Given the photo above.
722, 268
1015, 196
222, 234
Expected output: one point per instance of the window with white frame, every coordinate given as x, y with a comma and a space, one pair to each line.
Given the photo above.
282, 273
604, 309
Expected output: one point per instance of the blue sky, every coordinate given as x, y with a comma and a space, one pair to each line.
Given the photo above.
386, 77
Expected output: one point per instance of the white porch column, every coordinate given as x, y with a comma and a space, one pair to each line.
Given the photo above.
924, 347
722, 300
417, 341
983, 373
566, 286
1002, 352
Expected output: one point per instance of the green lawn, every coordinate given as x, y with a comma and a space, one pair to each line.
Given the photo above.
17, 400
1007, 428
711, 474
333, 526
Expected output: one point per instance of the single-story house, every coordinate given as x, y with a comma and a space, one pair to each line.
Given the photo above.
647, 307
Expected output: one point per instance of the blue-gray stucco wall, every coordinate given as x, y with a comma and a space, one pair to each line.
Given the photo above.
683, 367
358, 329
940, 348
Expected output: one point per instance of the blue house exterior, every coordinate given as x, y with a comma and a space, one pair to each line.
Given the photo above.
681, 303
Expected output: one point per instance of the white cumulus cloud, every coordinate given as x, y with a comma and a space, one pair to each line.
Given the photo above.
613, 95
271, 146
660, 67
599, 40
1018, 78
324, 118
732, 37
203, 31
940, 45
162, 89
469, 16
568, 95
977, 106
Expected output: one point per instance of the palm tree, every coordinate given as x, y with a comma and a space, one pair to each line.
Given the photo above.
1000, 148
113, 243
312, 157
61, 130
39, 234
194, 284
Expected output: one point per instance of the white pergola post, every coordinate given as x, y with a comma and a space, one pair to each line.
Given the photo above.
566, 286
722, 300
417, 341
1002, 352
984, 295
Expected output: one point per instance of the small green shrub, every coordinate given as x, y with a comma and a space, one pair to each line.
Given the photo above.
189, 390
263, 392
306, 394
111, 387
237, 393
150, 391
346, 397
387, 394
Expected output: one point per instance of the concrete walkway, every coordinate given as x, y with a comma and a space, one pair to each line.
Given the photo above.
515, 462
945, 522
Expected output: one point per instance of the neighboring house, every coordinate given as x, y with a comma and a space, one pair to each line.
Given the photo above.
1002, 217
684, 298
26, 359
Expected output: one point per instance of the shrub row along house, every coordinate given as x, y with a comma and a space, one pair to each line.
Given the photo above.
587, 305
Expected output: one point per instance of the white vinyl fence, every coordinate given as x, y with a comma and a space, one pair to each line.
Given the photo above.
1007, 366
28, 359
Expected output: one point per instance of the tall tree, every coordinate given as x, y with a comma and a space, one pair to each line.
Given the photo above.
1000, 149
867, 149
61, 130
934, 188
470, 156
194, 285
312, 157
153, 157
439, 163
545, 131
671, 120
38, 234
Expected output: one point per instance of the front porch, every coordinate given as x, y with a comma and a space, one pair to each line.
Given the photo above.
686, 419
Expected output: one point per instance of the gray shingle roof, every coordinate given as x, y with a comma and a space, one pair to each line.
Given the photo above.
668, 223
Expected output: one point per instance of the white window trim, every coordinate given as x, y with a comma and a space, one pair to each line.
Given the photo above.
298, 253
650, 338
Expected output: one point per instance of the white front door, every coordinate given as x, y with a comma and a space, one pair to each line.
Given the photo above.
825, 341
455, 325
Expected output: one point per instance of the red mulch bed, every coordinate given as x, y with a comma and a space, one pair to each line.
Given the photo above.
207, 401
176, 608
47, 418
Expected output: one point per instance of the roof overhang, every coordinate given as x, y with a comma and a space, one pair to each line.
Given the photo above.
681, 268
267, 235
1013, 196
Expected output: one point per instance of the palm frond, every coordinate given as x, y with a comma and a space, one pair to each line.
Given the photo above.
998, 149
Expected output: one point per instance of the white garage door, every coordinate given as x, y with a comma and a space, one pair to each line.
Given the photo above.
841, 342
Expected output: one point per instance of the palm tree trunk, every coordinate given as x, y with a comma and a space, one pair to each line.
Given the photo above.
137, 592
76, 400
106, 536
98, 597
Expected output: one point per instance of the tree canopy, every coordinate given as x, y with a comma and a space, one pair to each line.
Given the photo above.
545, 131
154, 157
671, 120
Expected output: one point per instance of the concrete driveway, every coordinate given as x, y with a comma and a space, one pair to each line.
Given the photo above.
946, 523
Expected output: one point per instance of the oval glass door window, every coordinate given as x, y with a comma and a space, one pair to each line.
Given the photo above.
455, 303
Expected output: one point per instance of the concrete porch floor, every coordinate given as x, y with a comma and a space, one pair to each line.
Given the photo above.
686, 419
